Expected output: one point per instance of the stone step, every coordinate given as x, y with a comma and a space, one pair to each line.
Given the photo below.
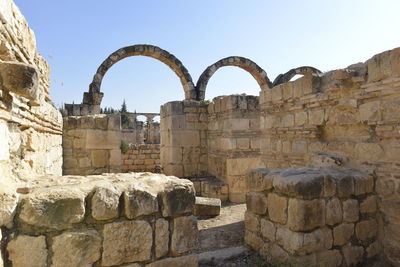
205, 206
217, 257
210, 186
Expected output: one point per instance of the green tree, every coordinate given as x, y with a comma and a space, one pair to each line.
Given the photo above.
124, 117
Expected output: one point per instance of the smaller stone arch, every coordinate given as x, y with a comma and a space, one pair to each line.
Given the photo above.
304, 70
244, 63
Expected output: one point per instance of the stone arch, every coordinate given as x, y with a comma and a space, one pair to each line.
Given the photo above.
304, 70
94, 95
244, 63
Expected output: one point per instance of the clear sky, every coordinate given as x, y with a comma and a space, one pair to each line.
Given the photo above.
75, 36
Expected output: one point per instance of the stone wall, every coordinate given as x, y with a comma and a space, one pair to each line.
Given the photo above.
141, 158
30, 127
352, 114
312, 216
104, 220
183, 133
233, 141
91, 144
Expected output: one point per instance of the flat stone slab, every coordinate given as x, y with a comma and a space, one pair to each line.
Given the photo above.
210, 186
205, 206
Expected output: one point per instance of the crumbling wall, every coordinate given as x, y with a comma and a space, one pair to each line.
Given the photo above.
103, 220
91, 144
233, 141
141, 158
183, 133
30, 127
312, 216
352, 114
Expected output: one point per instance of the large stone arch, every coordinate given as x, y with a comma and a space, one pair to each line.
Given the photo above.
94, 95
304, 70
244, 63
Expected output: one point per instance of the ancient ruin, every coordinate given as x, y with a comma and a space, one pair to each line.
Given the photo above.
315, 160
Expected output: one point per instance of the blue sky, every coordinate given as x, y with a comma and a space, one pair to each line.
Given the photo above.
75, 36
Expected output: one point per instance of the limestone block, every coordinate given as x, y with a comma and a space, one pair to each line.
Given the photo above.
300, 118
299, 146
126, 241
73, 249
8, 203
334, 214
276, 93
115, 157
350, 210
369, 151
240, 166
363, 185
329, 258
99, 158
105, 202
305, 215
300, 183
268, 229
317, 240
379, 67
258, 180
243, 143
345, 186
352, 255
185, 235
99, 139
342, 233
366, 229
205, 206
139, 202
256, 202
316, 117
183, 261
252, 221
368, 205
370, 111
277, 208
22, 79
177, 198
253, 240
28, 251
373, 249
289, 240
161, 238
288, 120
57, 208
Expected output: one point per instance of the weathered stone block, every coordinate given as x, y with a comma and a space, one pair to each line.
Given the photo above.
184, 236
207, 206
139, 202
268, 229
334, 212
183, 261
300, 118
161, 238
105, 202
57, 208
366, 229
177, 199
252, 222
342, 233
8, 204
256, 202
125, 242
277, 208
305, 215
253, 240
317, 240
352, 255
370, 111
329, 258
289, 240
363, 185
301, 183
258, 180
72, 249
345, 186
99, 158
368, 205
316, 117
350, 210
28, 251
